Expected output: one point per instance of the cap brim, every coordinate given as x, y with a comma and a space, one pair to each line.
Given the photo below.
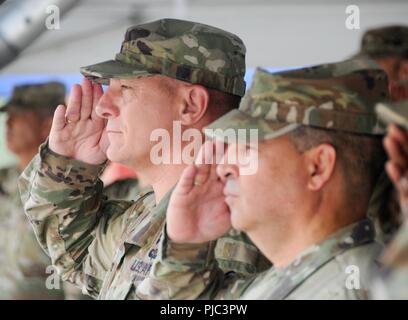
358, 55
8, 107
102, 72
240, 127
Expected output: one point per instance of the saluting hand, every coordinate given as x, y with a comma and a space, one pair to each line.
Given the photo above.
77, 131
197, 212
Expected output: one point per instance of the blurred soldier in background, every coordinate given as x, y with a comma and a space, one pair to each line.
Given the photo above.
388, 46
394, 281
23, 264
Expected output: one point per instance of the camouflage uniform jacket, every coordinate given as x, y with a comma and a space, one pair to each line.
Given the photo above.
126, 189
393, 283
23, 264
323, 271
105, 247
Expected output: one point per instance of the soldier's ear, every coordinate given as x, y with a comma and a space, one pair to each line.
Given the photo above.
320, 163
195, 100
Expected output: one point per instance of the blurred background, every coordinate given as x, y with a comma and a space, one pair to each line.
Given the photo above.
278, 34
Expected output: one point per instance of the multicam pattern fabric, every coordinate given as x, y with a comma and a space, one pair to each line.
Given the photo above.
322, 271
105, 247
184, 50
339, 96
125, 189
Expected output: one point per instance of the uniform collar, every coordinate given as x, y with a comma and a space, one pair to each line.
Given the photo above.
314, 257
150, 221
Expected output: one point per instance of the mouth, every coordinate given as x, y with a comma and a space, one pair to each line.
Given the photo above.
112, 131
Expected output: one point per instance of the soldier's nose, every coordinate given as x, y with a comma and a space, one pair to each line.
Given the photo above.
106, 108
227, 171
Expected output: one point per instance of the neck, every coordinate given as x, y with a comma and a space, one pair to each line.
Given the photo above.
283, 242
161, 177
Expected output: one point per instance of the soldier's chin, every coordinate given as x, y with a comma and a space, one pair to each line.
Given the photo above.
235, 219
113, 154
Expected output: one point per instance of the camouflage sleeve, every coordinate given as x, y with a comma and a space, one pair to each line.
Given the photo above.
190, 271
235, 252
80, 231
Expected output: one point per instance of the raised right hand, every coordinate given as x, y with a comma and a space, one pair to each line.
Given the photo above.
77, 132
197, 212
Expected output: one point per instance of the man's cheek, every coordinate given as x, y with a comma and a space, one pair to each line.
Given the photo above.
22, 133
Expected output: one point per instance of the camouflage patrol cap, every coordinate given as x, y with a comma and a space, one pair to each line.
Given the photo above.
385, 41
338, 96
41, 98
184, 50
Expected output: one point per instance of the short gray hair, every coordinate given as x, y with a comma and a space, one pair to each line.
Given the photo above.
361, 157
